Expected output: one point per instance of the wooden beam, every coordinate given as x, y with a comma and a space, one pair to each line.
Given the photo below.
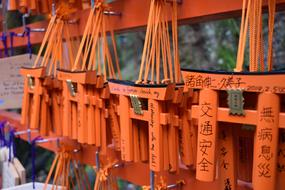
250, 117
135, 13
86, 155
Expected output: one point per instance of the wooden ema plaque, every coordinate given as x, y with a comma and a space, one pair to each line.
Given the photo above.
32, 96
146, 106
226, 158
266, 88
75, 103
42, 95
86, 106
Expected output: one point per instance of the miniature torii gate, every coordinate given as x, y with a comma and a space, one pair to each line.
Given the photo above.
265, 114
155, 114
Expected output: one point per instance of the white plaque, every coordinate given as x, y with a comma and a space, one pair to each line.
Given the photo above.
11, 82
10, 177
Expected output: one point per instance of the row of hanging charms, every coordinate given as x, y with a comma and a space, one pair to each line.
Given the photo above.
238, 111
40, 6
87, 101
61, 85
159, 105
66, 172
150, 110
42, 99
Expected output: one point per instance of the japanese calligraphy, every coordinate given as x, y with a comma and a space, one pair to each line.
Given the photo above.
223, 151
267, 114
204, 145
266, 152
264, 170
206, 128
206, 158
230, 82
225, 165
198, 81
204, 165
265, 134
206, 108
219, 81
153, 139
228, 185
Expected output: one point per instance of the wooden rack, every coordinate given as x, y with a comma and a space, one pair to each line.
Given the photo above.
87, 156
134, 17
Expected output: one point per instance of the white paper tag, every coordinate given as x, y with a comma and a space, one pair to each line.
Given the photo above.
4, 152
20, 170
10, 176
11, 82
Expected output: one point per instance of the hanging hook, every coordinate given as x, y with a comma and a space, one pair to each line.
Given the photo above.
40, 141
119, 165
178, 184
28, 131
26, 33
3, 141
112, 13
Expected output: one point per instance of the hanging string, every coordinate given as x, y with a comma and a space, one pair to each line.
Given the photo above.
63, 167
29, 44
27, 34
3, 142
104, 180
4, 41
12, 146
33, 157
157, 52
252, 19
57, 34
94, 51
272, 10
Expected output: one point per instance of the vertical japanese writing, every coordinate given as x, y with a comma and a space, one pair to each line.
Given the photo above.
206, 129
153, 139
264, 135
226, 158
207, 135
266, 142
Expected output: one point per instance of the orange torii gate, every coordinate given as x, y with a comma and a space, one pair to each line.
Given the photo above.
147, 103
252, 99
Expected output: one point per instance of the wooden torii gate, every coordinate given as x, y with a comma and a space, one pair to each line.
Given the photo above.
252, 99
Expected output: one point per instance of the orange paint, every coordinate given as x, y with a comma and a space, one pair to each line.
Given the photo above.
265, 142
227, 162
207, 136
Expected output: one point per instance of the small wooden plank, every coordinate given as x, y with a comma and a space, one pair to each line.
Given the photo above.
10, 176
20, 170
